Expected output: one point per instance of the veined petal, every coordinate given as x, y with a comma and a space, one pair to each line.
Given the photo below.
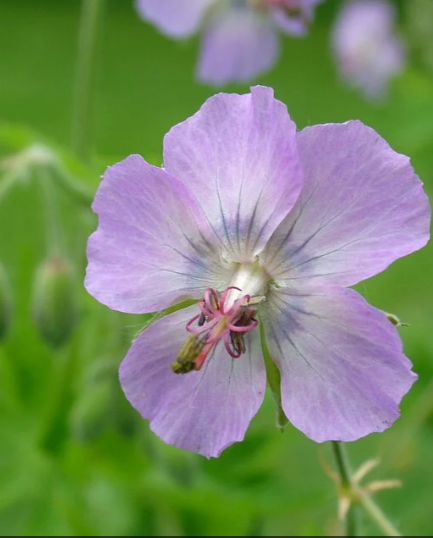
343, 372
204, 411
176, 18
150, 249
238, 156
361, 208
238, 45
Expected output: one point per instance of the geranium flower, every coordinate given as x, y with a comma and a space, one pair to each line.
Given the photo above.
240, 38
259, 225
367, 50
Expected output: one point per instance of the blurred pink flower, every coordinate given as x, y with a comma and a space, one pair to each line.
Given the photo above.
367, 50
240, 38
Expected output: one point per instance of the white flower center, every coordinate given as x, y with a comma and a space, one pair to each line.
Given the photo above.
251, 279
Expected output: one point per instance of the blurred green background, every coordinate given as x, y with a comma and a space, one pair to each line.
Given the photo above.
75, 458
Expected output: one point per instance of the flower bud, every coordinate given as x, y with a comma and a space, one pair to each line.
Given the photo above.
54, 301
5, 303
395, 320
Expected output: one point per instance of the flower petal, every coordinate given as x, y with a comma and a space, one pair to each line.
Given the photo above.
362, 207
203, 411
150, 249
238, 45
238, 156
176, 18
342, 367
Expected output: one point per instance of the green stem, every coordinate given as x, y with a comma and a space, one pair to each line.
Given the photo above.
377, 515
56, 421
5, 185
51, 214
81, 193
85, 77
343, 468
342, 463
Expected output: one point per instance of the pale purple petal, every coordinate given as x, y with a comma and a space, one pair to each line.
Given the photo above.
203, 411
362, 207
367, 50
238, 45
176, 18
150, 249
293, 16
238, 156
342, 367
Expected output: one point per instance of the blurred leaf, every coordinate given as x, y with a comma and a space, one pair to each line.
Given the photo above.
413, 112
419, 29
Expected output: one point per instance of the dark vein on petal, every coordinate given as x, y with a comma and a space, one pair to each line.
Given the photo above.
286, 334
222, 215
364, 235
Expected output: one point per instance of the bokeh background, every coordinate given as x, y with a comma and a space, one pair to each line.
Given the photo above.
75, 458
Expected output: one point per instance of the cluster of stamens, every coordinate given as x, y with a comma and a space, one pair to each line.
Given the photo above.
291, 7
219, 319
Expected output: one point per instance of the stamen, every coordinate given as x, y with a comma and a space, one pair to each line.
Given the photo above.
256, 299
220, 318
238, 342
188, 354
292, 8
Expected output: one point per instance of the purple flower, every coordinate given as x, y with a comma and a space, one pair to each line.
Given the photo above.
367, 51
279, 222
240, 39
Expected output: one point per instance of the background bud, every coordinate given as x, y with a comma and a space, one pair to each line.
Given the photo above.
54, 301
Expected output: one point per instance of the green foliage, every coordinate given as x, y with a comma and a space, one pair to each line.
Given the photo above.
75, 459
5, 304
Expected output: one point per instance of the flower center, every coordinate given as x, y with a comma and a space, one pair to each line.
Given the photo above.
220, 319
291, 7
225, 316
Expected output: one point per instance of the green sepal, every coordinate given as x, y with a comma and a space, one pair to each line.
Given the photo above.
274, 381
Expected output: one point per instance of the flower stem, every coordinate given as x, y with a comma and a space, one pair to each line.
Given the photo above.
85, 76
342, 463
51, 214
79, 192
54, 431
5, 184
343, 468
357, 496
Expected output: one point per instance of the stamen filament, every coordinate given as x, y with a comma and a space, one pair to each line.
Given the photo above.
216, 322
